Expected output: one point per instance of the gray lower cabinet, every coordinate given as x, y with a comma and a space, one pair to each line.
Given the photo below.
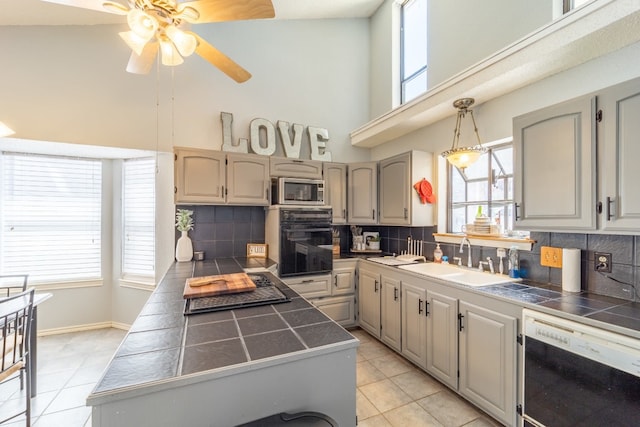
442, 338
390, 332
369, 301
414, 323
488, 360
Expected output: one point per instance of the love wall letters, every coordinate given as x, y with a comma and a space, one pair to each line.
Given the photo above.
318, 138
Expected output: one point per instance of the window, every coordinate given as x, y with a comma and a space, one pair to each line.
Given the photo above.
569, 5
51, 218
488, 183
413, 36
138, 218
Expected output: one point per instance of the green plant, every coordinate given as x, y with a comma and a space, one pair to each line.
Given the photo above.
375, 238
184, 222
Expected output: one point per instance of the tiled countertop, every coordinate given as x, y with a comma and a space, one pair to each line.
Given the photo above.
163, 343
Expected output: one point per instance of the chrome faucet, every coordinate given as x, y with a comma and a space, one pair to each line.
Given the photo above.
481, 264
457, 260
464, 239
490, 262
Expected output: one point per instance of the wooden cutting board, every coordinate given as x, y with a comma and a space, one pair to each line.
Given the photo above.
207, 286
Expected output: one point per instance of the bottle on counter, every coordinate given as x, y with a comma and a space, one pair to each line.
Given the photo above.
437, 254
514, 263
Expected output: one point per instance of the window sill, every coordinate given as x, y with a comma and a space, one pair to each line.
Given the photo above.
50, 286
523, 244
141, 284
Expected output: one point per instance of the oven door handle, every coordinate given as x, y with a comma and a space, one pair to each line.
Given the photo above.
299, 230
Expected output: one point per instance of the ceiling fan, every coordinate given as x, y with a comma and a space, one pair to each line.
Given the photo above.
159, 25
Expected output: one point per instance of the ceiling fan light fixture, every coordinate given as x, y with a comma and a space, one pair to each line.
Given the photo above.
143, 24
114, 7
135, 42
170, 55
184, 41
463, 157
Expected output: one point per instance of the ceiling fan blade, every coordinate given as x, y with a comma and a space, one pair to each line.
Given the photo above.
228, 10
222, 61
88, 4
141, 64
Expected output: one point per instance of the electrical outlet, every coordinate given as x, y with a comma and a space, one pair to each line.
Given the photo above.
602, 262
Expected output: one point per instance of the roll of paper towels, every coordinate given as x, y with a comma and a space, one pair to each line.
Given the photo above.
571, 269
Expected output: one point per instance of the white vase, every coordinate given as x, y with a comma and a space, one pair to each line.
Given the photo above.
184, 248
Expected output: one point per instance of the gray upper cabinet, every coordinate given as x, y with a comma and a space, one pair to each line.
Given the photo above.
295, 168
208, 177
199, 176
620, 150
554, 171
400, 203
362, 193
335, 190
248, 179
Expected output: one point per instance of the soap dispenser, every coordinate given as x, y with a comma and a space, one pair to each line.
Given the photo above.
437, 254
514, 263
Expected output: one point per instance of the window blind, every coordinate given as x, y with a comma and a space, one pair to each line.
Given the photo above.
138, 217
50, 217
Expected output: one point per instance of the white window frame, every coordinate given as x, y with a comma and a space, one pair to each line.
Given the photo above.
138, 251
51, 219
495, 172
420, 72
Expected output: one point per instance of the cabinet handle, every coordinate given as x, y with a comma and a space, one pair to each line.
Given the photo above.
335, 281
460, 317
266, 193
307, 281
516, 206
419, 306
406, 213
344, 213
426, 312
375, 286
373, 214
609, 201
395, 294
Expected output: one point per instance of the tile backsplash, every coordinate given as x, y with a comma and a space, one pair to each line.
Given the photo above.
224, 231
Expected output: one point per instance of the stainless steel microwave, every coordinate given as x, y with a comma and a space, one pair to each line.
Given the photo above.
297, 191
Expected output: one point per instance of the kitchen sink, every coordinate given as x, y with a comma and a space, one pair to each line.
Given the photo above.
459, 275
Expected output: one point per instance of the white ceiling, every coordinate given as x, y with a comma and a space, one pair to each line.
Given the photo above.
37, 12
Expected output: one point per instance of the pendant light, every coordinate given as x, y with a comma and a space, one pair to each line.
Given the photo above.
462, 157
5, 130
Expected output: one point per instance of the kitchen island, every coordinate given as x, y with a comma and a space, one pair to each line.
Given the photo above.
226, 368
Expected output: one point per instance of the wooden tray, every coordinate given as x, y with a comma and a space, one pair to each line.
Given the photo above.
208, 286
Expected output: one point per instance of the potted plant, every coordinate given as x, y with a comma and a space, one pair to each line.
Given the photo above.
184, 247
374, 242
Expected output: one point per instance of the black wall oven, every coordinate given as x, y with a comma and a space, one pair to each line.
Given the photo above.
578, 375
300, 239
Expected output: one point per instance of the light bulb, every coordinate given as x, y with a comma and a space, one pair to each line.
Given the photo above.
184, 41
141, 23
170, 55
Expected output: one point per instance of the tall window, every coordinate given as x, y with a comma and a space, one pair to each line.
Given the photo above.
138, 218
568, 5
488, 184
50, 218
413, 36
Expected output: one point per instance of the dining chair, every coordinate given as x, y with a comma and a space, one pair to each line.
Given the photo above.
15, 328
12, 284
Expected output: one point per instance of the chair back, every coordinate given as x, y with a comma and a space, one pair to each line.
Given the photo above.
12, 284
15, 331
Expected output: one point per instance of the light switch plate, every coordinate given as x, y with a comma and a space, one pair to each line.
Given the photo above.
551, 257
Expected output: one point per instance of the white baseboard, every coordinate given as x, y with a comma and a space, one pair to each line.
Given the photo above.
79, 328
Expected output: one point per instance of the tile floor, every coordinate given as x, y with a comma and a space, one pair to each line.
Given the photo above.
391, 392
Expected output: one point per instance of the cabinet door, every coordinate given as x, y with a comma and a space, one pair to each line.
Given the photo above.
488, 361
362, 193
395, 181
343, 281
340, 309
618, 136
391, 320
248, 179
335, 190
295, 168
554, 170
310, 286
414, 323
199, 176
369, 304
442, 338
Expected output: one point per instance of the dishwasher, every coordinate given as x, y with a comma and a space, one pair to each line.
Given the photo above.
578, 375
